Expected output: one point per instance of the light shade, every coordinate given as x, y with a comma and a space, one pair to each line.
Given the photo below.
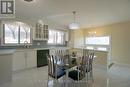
28, 0
74, 26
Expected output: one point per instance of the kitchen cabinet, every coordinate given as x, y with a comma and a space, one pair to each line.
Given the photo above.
41, 32
41, 57
23, 59
31, 59
18, 61
6, 66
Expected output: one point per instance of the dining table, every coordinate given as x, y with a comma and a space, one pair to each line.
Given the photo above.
71, 65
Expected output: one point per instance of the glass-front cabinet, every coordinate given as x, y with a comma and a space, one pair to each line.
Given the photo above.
41, 32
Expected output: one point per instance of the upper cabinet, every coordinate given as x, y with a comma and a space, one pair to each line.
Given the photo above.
41, 32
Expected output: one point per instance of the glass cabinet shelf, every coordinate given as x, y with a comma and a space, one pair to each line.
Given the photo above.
41, 32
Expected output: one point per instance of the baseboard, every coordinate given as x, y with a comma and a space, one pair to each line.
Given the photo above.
122, 64
111, 65
17, 71
101, 66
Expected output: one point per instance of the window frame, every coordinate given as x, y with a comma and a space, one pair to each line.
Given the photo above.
96, 46
12, 44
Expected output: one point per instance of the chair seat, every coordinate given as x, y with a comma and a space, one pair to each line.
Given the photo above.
61, 67
74, 75
59, 73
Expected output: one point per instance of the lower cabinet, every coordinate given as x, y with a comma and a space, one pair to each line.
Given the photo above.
18, 61
5, 68
31, 60
24, 59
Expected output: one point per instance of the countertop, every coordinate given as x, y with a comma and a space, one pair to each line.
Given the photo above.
7, 51
18, 49
11, 51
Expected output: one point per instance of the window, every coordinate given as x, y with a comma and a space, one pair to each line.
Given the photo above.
98, 43
98, 40
56, 37
10, 34
16, 33
25, 34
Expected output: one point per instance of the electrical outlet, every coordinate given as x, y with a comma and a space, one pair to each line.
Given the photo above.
38, 44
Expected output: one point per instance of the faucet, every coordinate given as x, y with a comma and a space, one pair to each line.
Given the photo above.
26, 45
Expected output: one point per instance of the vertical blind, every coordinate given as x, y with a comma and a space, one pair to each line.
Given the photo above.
56, 37
16, 33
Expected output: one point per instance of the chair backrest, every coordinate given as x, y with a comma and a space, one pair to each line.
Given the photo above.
59, 56
90, 57
51, 65
83, 65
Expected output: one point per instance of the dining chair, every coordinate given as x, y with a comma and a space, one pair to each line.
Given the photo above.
54, 71
89, 65
78, 75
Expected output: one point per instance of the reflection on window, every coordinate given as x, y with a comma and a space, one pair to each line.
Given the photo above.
60, 37
24, 34
52, 36
10, 33
56, 37
16, 33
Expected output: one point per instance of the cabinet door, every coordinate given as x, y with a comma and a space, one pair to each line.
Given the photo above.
18, 61
41, 32
5, 68
31, 60
41, 57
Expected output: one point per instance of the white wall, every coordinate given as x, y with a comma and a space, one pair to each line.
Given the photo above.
0, 28
119, 32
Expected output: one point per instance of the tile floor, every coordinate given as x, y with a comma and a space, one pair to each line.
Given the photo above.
37, 77
119, 76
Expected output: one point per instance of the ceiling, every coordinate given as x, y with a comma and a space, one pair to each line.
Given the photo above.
89, 12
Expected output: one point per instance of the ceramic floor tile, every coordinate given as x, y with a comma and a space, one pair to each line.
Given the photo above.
37, 77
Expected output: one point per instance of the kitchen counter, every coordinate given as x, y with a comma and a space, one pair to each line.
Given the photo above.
7, 51
20, 49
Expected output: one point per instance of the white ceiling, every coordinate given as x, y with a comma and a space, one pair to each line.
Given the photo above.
89, 12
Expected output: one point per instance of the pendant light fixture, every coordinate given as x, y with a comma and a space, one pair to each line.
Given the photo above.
74, 25
28, 0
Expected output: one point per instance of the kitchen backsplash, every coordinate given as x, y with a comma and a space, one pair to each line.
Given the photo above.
36, 44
